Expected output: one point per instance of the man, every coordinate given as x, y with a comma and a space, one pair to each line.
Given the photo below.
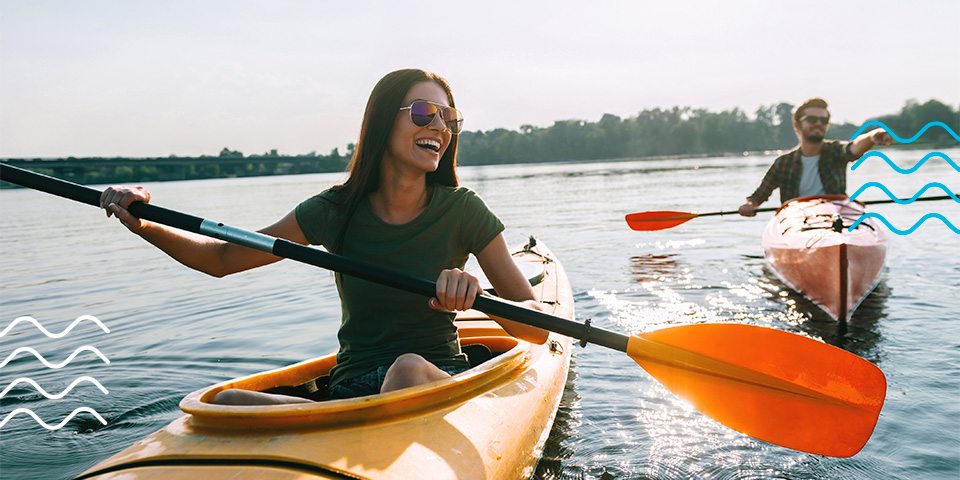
815, 167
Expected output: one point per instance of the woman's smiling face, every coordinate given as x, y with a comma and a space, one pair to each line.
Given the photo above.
416, 147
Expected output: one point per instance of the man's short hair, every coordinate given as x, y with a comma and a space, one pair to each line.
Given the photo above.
813, 102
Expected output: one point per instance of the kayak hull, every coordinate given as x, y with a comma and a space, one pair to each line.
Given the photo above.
834, 269
488, 422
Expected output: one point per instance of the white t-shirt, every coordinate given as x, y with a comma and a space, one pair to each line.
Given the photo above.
810, 183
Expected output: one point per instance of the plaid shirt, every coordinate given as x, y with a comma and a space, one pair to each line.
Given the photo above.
787, 168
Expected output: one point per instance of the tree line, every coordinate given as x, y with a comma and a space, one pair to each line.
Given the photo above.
676, 131
680, 131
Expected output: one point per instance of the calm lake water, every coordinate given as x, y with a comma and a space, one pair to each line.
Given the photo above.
173, 330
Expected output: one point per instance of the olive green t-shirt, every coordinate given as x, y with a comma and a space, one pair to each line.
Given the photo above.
379, 323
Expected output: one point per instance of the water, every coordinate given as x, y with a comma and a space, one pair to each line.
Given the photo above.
173, 330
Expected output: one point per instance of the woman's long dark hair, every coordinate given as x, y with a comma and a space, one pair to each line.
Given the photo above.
378, 118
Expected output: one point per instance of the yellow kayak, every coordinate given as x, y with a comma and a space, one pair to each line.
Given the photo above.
488, 422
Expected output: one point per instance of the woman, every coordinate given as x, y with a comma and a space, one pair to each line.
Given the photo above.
400, 208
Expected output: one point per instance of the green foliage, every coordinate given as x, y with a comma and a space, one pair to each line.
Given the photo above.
915, 116
227, 153
677, 131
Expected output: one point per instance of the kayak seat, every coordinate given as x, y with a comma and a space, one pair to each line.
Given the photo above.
315, 389
476, 353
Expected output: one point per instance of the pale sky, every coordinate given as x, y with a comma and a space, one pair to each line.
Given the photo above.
155, 78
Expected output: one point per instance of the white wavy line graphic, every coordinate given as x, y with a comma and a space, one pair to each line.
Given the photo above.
45, 425
57, 396
48, 364
54, 335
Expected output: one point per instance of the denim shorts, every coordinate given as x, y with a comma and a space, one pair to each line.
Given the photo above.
370, 382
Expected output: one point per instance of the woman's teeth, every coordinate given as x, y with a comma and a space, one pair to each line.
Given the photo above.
429, 144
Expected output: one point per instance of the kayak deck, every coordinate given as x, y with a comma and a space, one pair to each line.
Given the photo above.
488, 422
810, 248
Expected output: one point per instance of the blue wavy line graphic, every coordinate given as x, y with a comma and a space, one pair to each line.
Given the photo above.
903, 232
875, 123
907, 201
906, 170
59, 395
54, 335
48, 364
49, 427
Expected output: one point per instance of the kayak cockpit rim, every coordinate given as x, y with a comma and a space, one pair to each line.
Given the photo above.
824, 198
373, 408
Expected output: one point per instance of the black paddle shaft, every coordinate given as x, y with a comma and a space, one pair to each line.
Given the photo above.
312, 256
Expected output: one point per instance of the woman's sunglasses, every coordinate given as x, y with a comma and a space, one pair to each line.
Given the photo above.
816, 119
422, 113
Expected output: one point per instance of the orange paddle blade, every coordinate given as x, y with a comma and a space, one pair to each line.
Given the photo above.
661, 220
775, 386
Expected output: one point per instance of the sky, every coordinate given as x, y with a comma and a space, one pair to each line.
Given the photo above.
142, 78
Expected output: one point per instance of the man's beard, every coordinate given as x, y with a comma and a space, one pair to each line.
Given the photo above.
813, 137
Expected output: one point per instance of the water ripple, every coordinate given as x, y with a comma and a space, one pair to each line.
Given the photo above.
909, 230
51, 365
904, 201
56, 396
69, 417
905, 170
876, 123
54, 335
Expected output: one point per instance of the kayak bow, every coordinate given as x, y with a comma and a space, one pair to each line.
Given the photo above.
808, 245
489, 422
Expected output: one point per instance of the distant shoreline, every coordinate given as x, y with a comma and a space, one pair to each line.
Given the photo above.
99, 170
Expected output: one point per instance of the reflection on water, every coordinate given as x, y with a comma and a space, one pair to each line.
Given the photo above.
860, 335
585, 170
174, 331
653, 268
556, 451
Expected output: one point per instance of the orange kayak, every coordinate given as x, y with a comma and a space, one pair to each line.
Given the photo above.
809, 246
488, 422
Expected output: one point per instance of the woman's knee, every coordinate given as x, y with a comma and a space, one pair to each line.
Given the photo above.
408, 370
410, 362
236, 396
230, 396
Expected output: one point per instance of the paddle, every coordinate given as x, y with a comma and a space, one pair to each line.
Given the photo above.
776, 386
662, 220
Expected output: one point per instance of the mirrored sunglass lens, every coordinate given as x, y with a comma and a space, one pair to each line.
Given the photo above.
422, 113
453, 118
451, 114
455, 126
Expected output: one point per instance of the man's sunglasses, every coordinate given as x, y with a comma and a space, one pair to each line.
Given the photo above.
815, 119
423, 113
